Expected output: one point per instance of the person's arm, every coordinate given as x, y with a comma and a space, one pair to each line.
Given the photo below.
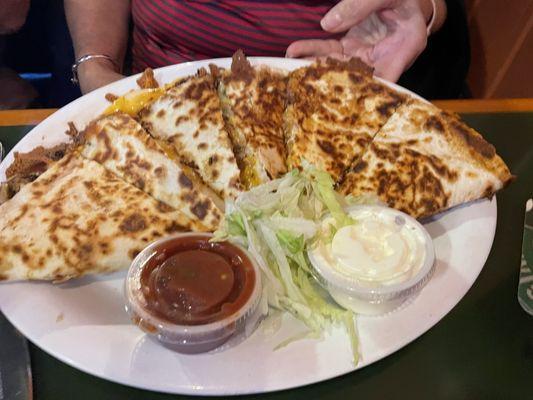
98, 27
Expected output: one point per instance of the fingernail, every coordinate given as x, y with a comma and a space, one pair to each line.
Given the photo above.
330, 21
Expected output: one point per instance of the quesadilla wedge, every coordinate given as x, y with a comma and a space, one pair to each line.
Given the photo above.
77, 218
334, 110
253, 103
189, 118
122, 146
424, 161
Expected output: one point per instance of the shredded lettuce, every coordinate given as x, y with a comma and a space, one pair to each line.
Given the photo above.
364, 199
290, 241
236, 225
276, 222
323, 184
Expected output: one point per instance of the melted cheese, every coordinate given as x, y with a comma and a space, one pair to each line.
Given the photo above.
133, 102
249, 175
169, 150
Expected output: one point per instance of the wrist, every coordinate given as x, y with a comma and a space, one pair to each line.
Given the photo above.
96, 73
97, 65
86, 59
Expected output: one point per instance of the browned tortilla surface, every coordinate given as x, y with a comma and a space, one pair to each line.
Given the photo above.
424, 161
334, 110
78, 218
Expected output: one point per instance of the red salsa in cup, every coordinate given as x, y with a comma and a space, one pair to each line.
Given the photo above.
192, 281
193, 295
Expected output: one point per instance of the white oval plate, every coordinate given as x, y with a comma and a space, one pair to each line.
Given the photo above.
83, 322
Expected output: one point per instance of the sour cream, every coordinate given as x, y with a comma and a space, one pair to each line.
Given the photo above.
373, 265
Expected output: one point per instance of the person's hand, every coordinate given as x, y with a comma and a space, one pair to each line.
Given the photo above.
386, 34
96, 73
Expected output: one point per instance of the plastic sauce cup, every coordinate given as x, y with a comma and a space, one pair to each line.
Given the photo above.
186, 338
374, 297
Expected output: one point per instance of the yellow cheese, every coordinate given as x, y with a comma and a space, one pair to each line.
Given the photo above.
133, 102
249, 176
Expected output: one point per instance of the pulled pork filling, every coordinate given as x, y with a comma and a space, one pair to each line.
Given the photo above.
27, 167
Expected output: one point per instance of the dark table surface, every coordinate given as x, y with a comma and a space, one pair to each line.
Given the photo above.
483, 349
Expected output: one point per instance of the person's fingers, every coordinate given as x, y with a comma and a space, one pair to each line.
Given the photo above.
338, 56
313, 48
348, 13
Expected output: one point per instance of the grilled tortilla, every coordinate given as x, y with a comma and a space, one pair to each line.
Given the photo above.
424, 161
253, 103
122, 146
189, 118
77, 218
334, 110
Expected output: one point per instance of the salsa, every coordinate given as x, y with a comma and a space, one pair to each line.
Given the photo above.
192, 281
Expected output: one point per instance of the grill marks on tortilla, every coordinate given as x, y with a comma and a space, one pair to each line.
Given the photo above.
334, 110
424, 161
85, 220
253, 102
134, 222
123, 147
193, 126
94, 214
412, 185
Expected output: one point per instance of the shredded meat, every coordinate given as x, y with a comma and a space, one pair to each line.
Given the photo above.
147, 80
5, 194
27, 167
241, 69
35, 161
72, 131
216, 71
111, 97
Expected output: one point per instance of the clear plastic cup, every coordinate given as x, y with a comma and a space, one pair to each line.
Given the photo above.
375, 298
190, 338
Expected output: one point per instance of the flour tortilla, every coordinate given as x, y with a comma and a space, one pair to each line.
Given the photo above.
253, 102
424, 161
122, 146
335, 108
77, 218
189, 118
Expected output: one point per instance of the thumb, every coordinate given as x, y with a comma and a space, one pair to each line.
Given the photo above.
313, 48
348, 13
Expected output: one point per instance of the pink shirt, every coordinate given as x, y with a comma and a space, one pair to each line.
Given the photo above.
172, 31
